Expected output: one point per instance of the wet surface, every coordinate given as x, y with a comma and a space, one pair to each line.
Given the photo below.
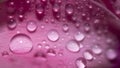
59, 34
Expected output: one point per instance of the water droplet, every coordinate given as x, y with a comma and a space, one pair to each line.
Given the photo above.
51, 52
88, 55
79, 36
44, 2
87, 27
56, 11
53, 35
81, 63
47, 46
81, 45
40, 11
111, 54
11, 24
56, 8
21, 17
96, 21
5, 53
73, 46
31, 26
20, 43
77, 24
43, 41
65, 27
96, 49
42, 26
69, 9
39, 45
39, 55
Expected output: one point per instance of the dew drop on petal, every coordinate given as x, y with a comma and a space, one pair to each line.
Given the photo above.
51, 52
53, 35
11, 24
65, 27
31, 26
88, 55
96, 49
79, 36
69, 9
20, 44
5, 53
80, 63
73, 46
87, 28
111, 54
56, 7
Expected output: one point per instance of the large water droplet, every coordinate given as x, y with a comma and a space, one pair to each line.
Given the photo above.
79, 36
73, 46
81, 63
65, 27
31, 26
96, 49
53, 35
111, 54
69, 9
88, 55
20, 43
11, 24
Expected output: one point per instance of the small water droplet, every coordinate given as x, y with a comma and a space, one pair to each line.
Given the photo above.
88, 55
73, 46
96, 21
39, 55
69, 9
81, 45
47, 46
79, 36
5, 53
31, 26
20, 43
11, 24
109, 40
65, 27
44, 41
77, 24
87, 27
56, 7
111, 54
39, 45
42, 26
21, 17
81, 63
53, 35
96, 49
51, 52
40, 11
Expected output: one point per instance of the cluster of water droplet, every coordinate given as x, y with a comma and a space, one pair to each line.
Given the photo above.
22, 43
